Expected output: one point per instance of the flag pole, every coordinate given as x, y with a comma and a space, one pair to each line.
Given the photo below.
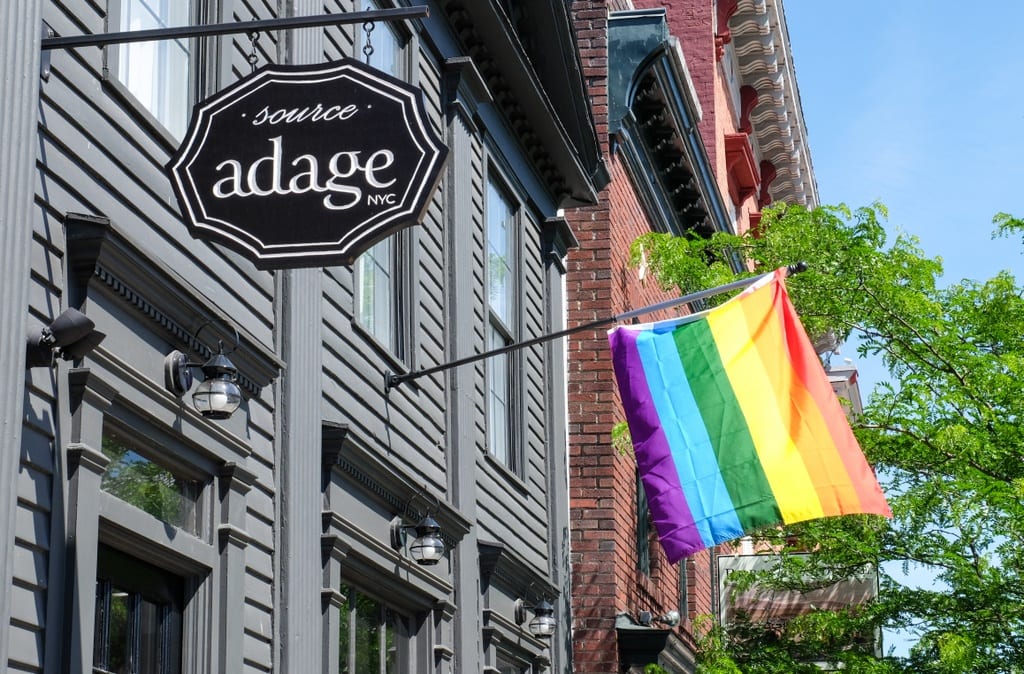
392, 380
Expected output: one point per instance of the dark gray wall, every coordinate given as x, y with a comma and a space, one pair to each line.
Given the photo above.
289, 509
19, 51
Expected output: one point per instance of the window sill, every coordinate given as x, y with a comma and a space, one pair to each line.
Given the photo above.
138, 112
397, 364
515, 480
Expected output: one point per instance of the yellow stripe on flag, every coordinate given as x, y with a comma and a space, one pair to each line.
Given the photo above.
801, 413
758, 397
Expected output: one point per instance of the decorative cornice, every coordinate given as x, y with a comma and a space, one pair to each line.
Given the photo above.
723, 36
557, 238
501, 628
331, 598
181, 335
761, 45
230, 534
237, 478
465, 89
346, 454
654, 110
100, 258
517, 92
86, 386
332, 544
501, 566
742, 167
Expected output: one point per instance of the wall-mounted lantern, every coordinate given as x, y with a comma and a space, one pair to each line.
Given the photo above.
543, 623
72, 335
218, 394
427, 548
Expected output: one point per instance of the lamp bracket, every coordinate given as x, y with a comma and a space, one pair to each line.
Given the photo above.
397, 530
178, 373
208, 322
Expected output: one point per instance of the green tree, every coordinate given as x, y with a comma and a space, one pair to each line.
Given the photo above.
943, 431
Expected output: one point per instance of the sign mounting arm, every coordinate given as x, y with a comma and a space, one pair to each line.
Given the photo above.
103, 39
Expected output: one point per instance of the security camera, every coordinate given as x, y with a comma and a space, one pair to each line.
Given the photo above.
70, 335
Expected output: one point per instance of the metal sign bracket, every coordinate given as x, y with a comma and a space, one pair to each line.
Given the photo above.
234, 27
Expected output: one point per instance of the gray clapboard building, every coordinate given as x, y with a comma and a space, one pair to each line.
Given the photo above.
139, 535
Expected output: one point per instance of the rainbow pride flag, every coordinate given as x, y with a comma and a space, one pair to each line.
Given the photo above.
734, 423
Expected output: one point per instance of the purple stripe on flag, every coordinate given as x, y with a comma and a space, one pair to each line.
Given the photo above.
669, 510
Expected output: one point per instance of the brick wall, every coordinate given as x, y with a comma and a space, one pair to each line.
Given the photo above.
602, 481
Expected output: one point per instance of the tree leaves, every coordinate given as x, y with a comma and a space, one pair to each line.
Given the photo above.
943, 431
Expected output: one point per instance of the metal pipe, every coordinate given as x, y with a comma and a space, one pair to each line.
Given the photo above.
103, 39
391, 380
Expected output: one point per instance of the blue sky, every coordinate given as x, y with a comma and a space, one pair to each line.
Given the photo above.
920, 106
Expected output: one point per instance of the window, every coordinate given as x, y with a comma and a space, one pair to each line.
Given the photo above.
372, 637
501, 328
380, 271
684, 594
380, 296
386, 53
147, 485
137, 617
643, 529
156, 73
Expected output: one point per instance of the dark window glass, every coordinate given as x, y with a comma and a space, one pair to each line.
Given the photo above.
684, 597
507, 666
643, 529
137, 617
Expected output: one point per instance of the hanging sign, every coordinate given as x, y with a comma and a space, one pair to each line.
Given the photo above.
302, 166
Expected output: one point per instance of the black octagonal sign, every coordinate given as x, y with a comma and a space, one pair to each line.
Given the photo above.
302, 166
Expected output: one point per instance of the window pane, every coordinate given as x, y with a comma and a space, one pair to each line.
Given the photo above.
643, 530
150, 626
386, 53
391, 626
138, 616
501, 285
118, 630
506, 666
371, 637
368, 627
376, 294
157, 73
148, 486
500, 282
499, 387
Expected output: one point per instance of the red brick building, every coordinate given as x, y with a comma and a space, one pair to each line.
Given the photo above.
696, 107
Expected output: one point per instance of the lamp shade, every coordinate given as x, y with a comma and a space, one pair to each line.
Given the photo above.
543, 623
428, 548
218, 396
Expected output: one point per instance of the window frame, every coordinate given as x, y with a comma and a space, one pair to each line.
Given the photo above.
399, 343
197, 62
180, 463
643, 529
508, 328
142, 581
143, 538
348, 618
